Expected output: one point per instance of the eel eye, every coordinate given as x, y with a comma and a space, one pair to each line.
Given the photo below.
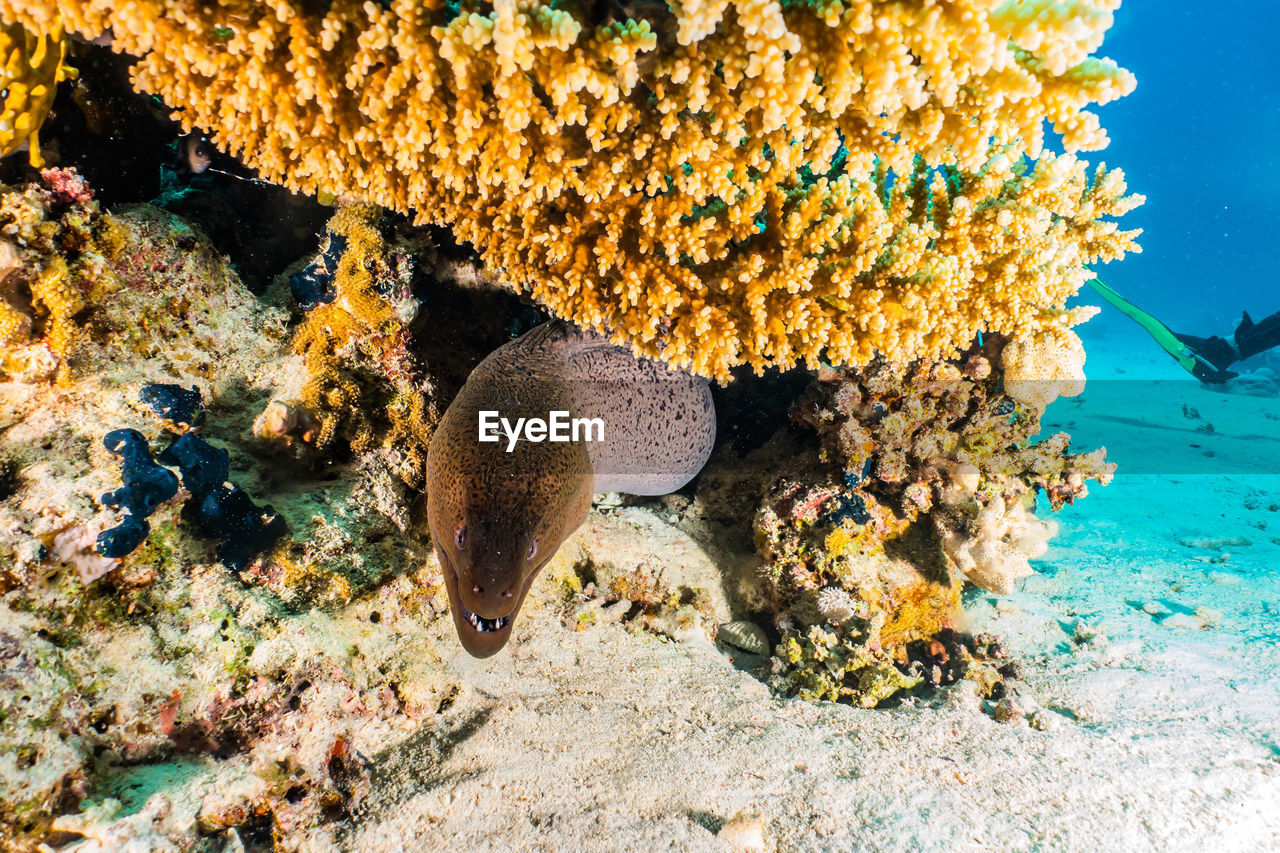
460, 536
533, 549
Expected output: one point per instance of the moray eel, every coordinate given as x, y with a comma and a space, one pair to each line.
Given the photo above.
499, 510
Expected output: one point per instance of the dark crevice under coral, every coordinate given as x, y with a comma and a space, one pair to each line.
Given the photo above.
127, 147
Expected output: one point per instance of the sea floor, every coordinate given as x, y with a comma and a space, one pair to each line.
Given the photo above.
1151, 645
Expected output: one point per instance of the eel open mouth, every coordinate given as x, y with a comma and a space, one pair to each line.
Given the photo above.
480, 637
484, 626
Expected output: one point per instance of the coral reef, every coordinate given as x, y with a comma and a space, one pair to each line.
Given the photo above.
364, 384
928, 478
125, 326
711, 182
31, 67
57, 246
950, 656
717, 184
118, 667
825, 664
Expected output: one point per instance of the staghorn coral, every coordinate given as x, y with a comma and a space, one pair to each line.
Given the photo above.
33, 66
707, 182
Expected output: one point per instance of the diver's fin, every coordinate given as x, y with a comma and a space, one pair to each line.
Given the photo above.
1253, 338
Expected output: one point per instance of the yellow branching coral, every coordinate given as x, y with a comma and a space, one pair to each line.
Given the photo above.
356, 313
362, 384
656, 177
34, 65
53, 291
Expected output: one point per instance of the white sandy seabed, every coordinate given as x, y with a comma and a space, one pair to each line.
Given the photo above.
1151, 647
1151, 640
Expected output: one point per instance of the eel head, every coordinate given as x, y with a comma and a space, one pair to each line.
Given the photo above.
496, 519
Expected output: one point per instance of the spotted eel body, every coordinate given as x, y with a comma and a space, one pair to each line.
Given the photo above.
498, 516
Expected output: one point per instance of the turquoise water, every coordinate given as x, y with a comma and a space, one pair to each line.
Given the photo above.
1201, 139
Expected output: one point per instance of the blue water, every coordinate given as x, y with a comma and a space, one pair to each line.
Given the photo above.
1201, 139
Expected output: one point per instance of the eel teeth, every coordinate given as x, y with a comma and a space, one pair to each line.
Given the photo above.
486, 626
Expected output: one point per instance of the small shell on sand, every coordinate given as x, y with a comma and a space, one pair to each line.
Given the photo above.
1007, 710
744, 635
745, 833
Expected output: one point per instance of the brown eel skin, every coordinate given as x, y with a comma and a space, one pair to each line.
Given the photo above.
498, 517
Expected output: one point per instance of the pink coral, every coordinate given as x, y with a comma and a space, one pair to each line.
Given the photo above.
68, 186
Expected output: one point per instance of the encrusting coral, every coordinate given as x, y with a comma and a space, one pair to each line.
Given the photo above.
708, 182
60, 243
929, 476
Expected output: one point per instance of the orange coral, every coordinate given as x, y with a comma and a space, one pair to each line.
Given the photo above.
652, 176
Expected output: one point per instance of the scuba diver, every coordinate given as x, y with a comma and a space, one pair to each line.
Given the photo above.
1207, 359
